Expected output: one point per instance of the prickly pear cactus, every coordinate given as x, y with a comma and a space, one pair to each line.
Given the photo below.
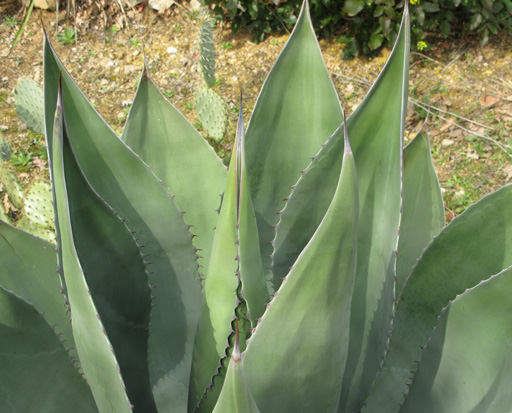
212, 112
5, 149
34, 205
207, 50
210, 107
10, 187
38, 211
29, 104
4, 207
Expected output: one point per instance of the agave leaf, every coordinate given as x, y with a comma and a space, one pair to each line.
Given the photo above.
235, 262
94, 349
178, 155
37, 373
300, 217
376, 130
111, 168
296, 111
235, 395
454, 261
116, 277
303, 334
467, 364
376, 135
220, 298
423, 210
29, 270
255, 291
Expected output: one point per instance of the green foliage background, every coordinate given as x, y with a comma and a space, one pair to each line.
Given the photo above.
372, 23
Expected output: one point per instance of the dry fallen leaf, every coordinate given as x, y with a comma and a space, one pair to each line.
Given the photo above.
507, 170
445, 126
5, 202
472, 155
487, 101
40, 164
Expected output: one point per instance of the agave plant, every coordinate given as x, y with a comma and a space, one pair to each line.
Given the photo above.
344, 293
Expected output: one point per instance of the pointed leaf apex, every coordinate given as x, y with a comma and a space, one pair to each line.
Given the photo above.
45, 33
348, 149
305, 9
240, 128
235, 355
145, 71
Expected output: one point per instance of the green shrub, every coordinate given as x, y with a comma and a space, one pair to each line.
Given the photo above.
372, 23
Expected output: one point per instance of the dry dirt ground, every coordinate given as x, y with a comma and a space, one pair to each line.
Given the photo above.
467, 88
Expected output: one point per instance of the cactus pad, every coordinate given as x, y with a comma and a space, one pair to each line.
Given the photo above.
5, 149
207, 50
38, 212
212, 113
29, 104
10, 186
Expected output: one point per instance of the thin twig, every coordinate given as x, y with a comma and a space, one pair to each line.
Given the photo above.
418, 103
504, 148
472, 78
429, 108
123, 13
428, 58
457, 57
353, 79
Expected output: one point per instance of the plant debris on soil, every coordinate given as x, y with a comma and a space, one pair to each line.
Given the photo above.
465, 89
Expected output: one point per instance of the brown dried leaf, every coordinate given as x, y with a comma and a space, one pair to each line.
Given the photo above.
487, 101
6, 203
507, 170
445, 126
40, 164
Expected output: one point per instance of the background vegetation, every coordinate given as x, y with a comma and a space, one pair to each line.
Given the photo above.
465, 90
372, 23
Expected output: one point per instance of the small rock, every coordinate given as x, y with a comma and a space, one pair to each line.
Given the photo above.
44, 4
447, 142
161, 5
472, 155
195, 4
